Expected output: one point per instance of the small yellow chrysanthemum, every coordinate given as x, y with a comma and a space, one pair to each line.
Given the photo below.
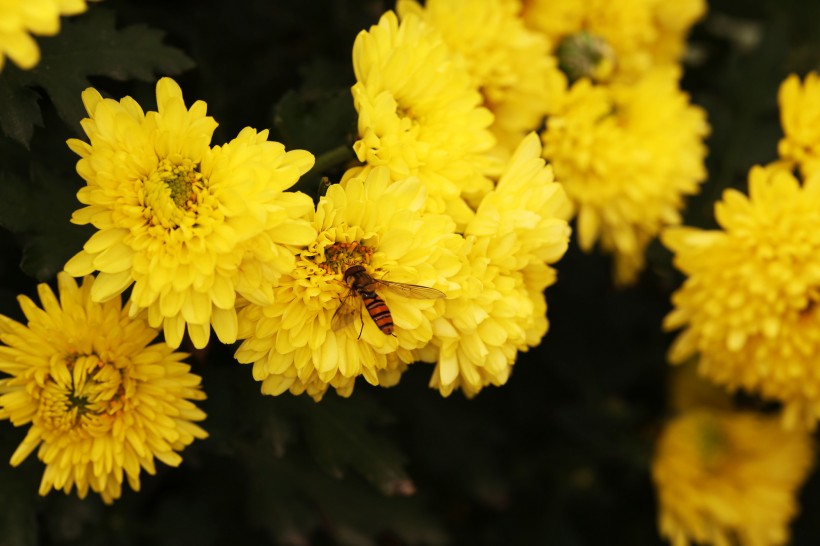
800, 117
519, 228
510, 63
627, 155
188, 225
317, 332
19, 19
729, 478
750, 303
420, 113
100, 399
630, 36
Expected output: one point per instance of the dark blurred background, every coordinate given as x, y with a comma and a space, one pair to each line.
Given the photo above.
559, 456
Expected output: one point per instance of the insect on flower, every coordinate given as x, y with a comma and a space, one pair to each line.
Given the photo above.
365, 286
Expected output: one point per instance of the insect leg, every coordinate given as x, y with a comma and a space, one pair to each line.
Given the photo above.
361, 318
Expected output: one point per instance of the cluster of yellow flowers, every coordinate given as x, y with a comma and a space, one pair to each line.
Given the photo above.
623, 138
750, 319
446, 246
434, 248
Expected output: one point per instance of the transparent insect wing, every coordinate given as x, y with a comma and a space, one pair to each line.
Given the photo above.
346, 312
414, 291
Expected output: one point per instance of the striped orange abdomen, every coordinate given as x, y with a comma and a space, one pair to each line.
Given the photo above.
378, 311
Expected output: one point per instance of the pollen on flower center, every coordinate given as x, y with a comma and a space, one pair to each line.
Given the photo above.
80, 392
172, 190
339, 257
585, 55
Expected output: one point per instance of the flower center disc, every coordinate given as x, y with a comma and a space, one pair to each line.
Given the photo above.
172, 190
339, 257
80, 393
585, 55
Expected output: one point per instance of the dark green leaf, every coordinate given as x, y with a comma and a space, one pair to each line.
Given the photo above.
288, 491
19, 112
91, 45
38, 212
338, 436
320, 118
322, 124
316, 122
88, 45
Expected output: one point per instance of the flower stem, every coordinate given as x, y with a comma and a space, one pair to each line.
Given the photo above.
333, 157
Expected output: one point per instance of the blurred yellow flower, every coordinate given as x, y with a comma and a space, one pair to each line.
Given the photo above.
637, 35
420, 113
317, 333
188, 225
511, 64
627, 155
100, 399
519, 228
800, 117
749, 304
729, 478
19, 19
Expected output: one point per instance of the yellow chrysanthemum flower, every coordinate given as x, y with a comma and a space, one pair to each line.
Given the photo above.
627, 155
800, 117
420, 113
100, 399
519, 228
317, 333
749, 304
729, 478
510, 63
19, 19
614, 41
188, 225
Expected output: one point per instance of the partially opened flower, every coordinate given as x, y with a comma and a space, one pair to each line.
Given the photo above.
518, 230
420, 113
749, 306
627, 155
188, 225
321, 330
726, 477
19, 19
102, 402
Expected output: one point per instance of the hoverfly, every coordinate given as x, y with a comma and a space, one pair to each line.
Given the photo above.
365, 286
